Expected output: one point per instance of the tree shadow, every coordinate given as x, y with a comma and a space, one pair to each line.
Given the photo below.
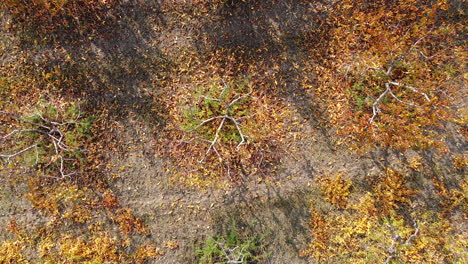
103, 57
279, 37
281, 221
252, 25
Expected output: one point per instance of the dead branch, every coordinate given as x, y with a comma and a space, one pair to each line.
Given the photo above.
424, 55
414, 235
215, 139
412, 89
397, 239
236, 123
53, 132
7, 157
224, 118
375, 108
205, 122
392, 250
388, 90
230, 253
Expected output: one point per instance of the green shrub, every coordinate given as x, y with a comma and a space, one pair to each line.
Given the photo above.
232, 248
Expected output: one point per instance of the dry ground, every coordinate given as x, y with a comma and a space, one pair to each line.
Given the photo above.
276, 207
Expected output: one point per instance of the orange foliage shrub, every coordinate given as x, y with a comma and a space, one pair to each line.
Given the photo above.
128, 222
391, 191
67, 202
452, 198
336, 190
391, 73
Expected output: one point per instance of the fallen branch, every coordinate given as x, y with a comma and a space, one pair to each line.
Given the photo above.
388, 73
388, 90
225, 116
213, 142
375, 108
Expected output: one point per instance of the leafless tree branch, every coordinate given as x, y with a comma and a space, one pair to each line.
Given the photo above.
52, 131
412, 89
215, 139
414, 235
375, 108
388, 73
7, 157
397, 239
388, 90
233, 255
225, 117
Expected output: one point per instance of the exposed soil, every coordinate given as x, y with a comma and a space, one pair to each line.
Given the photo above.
275, 207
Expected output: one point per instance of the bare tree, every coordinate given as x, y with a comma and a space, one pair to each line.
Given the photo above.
235, 255
392, 83
225, 117
48, 130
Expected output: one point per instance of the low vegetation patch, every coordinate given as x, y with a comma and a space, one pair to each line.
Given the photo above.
227, 129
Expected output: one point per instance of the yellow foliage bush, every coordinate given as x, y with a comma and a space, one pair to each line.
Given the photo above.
99, 249
373, 230
11, 252
390, 191
336, 190
460, 161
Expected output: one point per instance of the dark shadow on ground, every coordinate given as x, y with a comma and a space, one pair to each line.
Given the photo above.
278, 36
282, 223
103, 57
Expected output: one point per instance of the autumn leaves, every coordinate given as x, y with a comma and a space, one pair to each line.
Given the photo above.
392, 71
226, 129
